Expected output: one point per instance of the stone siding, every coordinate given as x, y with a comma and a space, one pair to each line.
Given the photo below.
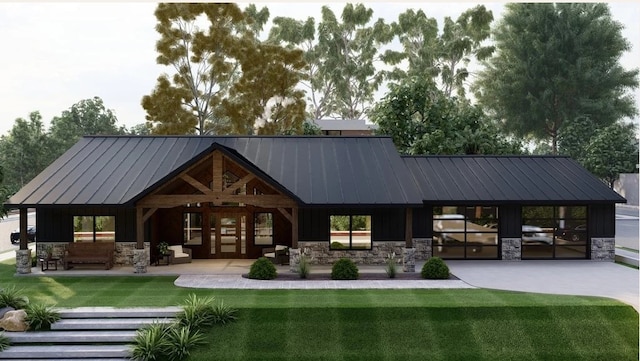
123, 253
23, 261
423, 248
603, 249
319, 253
511, 249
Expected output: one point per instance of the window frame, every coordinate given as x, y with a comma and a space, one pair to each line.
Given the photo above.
94, 237
255, 229
350, 247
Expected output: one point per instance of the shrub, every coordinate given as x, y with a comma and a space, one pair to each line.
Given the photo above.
304, 266
151, 342
391, 266
196, 312
344, 269
435, 269
180, 342
263, 269
223, 314
337, 245
41, 317
12, 297
4, 341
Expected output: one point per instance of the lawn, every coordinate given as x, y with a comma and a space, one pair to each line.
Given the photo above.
474, 324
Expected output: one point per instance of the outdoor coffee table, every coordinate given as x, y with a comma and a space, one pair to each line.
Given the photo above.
46, 263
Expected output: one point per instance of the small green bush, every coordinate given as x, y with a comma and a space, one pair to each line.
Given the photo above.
304, 266
337, 245
181, 340
344, 269
4, 341
12, 297
151, 342
196, 312
435, 269
223, 314
41, 317
263, 269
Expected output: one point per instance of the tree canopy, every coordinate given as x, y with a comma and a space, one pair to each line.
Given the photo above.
556, 63
612, 151
225, 80
422, 119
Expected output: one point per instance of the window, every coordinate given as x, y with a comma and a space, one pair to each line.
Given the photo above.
263, 229
465, 232
350, 232
192, 228
94, 228
554, 232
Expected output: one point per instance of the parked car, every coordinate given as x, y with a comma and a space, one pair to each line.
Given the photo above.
535, 234
578, 234
31, 235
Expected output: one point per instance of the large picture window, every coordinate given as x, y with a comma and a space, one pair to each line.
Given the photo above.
465, 232
554, 232
192, 228
94, 228
263, 229
350, 232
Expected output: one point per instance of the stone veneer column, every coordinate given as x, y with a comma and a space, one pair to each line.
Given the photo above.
511, 249
294, 259
603, 249
23, 261
423, 249
409, 259
140, 260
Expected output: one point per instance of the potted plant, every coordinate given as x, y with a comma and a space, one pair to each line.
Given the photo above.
163, 248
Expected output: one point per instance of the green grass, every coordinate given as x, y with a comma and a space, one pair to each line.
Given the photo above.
462, 324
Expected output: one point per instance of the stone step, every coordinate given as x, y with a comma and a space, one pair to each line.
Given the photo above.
105, 323
112, 312
67, 337
65, 352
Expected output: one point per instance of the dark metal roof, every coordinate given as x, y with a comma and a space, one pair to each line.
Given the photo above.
507, 179
118, 170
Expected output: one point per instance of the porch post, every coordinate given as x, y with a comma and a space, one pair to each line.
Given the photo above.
23, 255
408, 228
408, 253
294, 227
139, 254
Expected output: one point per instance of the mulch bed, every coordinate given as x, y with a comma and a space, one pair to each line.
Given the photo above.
374, 276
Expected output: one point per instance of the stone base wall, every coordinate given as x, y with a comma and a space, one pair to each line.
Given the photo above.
319, 253
511, 249
123, 253
423, 248
23, 261
603, 249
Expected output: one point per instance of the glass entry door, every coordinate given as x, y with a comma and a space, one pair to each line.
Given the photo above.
230, 236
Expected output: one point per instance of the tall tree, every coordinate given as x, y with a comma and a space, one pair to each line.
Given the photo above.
422, 119
216, 57
86, 117
25, 151
556, 63
612, 151
342, 54
442, 56
4, 195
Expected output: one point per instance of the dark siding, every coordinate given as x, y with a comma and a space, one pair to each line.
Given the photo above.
388, 224
56, 224
510, 221
423, 222
602, 220
313, 225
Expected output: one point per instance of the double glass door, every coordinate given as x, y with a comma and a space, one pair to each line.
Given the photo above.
228, 235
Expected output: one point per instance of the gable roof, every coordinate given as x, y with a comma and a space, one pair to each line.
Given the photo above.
118, 170
531, 180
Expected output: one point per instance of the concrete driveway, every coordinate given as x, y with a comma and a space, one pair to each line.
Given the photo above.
579, 277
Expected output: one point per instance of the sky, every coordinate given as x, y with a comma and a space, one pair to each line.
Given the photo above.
57, 54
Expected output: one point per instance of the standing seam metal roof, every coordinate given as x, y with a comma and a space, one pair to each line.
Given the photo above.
507, 179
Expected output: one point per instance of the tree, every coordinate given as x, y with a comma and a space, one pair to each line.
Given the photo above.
442, 56
612, 151
422, 119
4, 195
342, 77
86, 117
24, 152
556, 63
225, 80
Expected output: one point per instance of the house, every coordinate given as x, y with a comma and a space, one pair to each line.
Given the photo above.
329, 197
348, 127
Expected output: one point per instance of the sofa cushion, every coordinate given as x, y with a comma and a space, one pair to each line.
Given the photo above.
177, 251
